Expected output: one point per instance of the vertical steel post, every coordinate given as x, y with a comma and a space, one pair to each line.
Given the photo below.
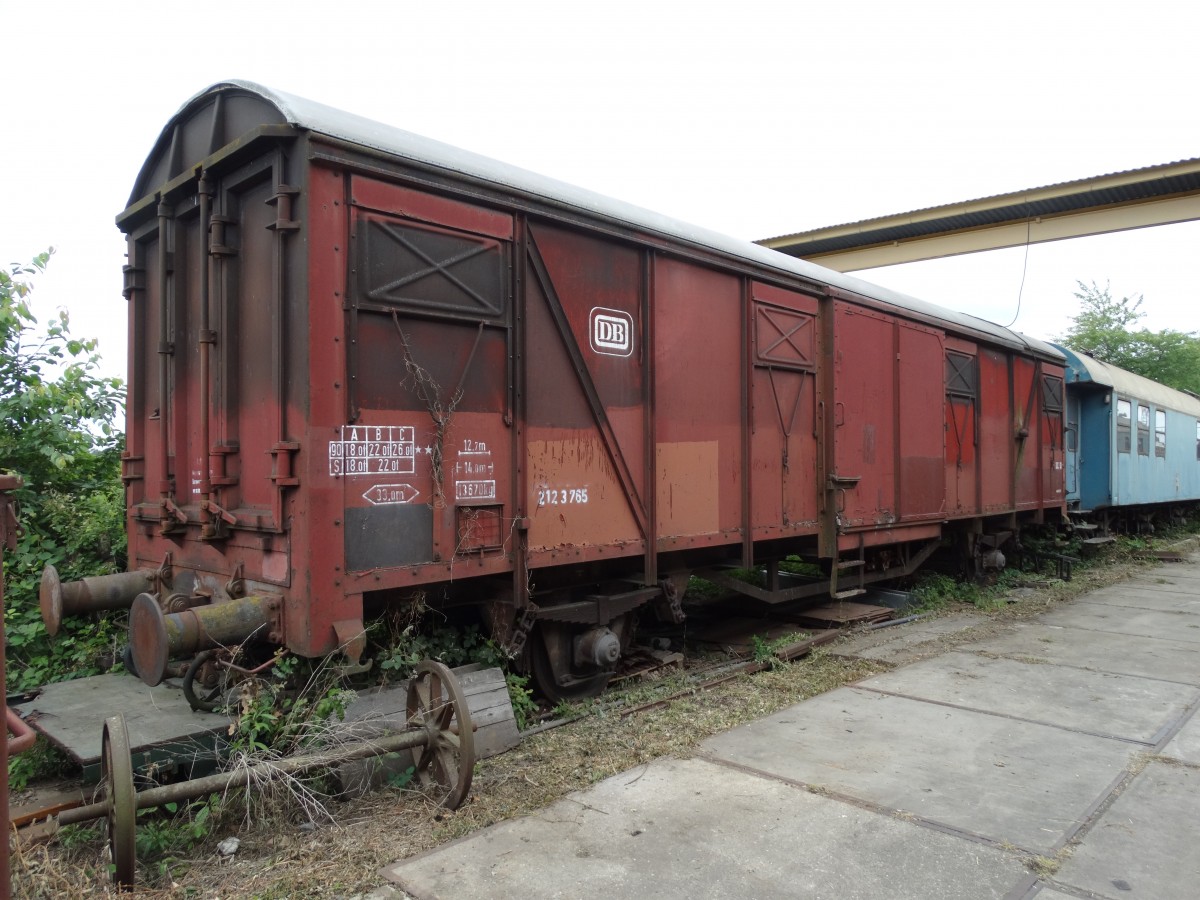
165, 349
518, 319
8, 540
649, 417
746, 390
209, 524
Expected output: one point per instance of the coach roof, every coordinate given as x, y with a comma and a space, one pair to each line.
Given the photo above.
1084, 369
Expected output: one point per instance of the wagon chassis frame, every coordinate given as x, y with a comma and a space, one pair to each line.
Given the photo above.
774, 593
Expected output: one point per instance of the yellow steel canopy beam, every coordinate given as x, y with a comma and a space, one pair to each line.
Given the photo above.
1159, 195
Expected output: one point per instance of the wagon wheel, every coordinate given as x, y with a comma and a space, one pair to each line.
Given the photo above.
551, 663
544, 677
116, 771
206, 682
436, 706
127, 660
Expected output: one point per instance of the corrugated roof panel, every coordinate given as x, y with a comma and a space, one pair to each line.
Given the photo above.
1018, 206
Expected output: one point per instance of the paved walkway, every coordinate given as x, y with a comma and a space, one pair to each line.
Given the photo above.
1059, 759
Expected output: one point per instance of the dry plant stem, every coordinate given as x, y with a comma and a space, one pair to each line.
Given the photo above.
430, 391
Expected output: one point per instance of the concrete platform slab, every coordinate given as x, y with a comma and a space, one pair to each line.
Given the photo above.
1190, 568
1121, 654
1146, 597
1142, 847
1185, 746
1100, 703
694, 829
1176, 626
1165, 584
928, 781
1006, 780
1183, 577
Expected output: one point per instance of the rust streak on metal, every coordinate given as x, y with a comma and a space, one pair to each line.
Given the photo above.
20, 820
21, 736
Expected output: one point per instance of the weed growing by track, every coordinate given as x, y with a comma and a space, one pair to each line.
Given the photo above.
284, 855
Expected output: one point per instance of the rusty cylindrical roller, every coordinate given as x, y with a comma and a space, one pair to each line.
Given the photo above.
156, 638
58, 598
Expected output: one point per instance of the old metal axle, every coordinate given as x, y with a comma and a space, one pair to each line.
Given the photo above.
439, 732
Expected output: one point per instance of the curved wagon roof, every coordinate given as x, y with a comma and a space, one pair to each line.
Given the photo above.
236, 108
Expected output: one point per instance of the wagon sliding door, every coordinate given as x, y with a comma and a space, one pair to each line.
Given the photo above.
1052, 436
586, 455
784, 427
888, 417
962, 433
425, 453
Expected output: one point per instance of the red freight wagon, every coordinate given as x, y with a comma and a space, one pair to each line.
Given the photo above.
367, 370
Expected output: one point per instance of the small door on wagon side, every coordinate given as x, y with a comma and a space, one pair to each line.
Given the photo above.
426, 454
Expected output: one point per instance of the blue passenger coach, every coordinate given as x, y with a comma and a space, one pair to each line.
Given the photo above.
1130, 442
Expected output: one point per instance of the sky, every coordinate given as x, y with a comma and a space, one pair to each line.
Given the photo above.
755, 119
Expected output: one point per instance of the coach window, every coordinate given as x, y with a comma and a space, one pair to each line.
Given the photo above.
1198, 440
1160, 433
1143, 430
1124, 415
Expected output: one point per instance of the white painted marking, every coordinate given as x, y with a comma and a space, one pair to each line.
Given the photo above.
561, 496
611, 331
373, 450
389, 494
475, 490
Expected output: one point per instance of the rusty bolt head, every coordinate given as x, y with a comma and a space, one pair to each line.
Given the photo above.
178, 603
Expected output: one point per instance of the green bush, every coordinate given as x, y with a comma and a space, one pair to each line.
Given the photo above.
935, 590
57, 433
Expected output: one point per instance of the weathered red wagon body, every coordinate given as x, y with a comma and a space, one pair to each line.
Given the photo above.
369, 369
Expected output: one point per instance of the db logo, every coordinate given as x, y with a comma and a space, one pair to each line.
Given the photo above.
611, 331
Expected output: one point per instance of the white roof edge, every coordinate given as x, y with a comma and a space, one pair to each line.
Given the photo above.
1131, 385
317, 117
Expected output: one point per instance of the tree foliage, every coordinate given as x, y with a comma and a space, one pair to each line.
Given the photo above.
1104, 328
56, 432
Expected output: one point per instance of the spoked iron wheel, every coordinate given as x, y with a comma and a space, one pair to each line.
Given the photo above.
116, 772
436, 706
